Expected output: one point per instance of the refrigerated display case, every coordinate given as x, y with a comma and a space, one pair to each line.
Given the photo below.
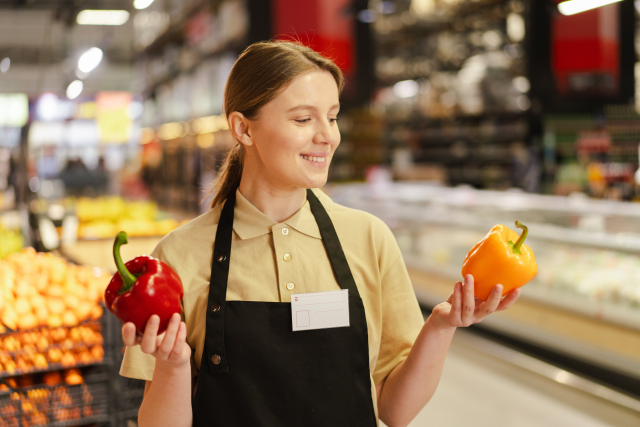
584, 301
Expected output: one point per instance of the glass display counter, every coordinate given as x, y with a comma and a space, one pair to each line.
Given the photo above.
585, 300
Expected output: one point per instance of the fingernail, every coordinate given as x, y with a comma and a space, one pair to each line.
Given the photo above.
175, 319
497, 289
155, 320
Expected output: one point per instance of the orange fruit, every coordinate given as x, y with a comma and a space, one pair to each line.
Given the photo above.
73, 377
28, 321
69, 318
22, 288
71, 301
42, 314
96, 312
9, 318
22, 306
54, 321
56, 305
54, 290
83, 311
93, 294
37, 300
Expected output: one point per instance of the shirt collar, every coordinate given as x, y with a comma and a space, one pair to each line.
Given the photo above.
250, 222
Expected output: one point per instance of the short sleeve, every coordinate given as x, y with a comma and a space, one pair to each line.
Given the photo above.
139, 365
402, 319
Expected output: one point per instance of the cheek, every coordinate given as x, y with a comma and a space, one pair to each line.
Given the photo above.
281, 145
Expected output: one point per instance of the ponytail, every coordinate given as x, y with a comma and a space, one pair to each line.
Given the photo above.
228, 179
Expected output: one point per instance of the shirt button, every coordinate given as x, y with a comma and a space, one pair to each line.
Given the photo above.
285, 231
216, 359
290, 286
287, 257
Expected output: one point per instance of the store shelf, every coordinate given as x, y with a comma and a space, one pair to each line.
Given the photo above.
234, 46
175, 32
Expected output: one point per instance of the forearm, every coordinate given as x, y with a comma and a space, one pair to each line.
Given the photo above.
168, 401
409, 387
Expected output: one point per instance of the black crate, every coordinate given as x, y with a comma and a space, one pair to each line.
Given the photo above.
56, 406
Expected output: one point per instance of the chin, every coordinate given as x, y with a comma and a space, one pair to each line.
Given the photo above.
315, 182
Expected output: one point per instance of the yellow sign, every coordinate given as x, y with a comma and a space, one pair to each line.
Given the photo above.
114, 122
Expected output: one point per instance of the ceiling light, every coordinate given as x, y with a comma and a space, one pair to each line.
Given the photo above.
90, 60
406, 89
75, 89
142, 4
102, 17
4, 65
576, 6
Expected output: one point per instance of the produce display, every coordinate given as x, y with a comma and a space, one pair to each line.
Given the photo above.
142, 287
500, 258
12, 241
40, 289
62, 404
105, 216
51, 334
50, 348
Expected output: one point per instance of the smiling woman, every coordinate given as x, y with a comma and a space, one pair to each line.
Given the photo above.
298, 104
278, 240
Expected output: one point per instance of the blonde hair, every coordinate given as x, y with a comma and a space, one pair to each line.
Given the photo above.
258, 76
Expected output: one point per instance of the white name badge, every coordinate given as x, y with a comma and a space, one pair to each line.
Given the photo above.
320, 310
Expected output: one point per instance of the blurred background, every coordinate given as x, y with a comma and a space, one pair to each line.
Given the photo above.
457, 115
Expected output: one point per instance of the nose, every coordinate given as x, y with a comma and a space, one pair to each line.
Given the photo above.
325, 133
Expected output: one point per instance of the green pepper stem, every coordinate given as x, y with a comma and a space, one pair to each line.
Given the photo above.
128, 279
516, 247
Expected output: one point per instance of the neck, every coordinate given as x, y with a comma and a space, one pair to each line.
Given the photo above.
277, 203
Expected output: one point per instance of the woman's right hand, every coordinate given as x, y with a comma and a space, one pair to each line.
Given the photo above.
169, 347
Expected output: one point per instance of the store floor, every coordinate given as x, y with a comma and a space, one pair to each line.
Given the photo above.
480, 390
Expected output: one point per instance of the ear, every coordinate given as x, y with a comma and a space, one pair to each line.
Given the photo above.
239, 127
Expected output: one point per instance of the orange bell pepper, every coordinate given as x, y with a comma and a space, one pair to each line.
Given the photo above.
497, 260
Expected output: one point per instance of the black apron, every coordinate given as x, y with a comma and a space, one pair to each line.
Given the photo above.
255, 371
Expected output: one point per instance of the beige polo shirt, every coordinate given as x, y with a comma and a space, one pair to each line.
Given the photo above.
267, 256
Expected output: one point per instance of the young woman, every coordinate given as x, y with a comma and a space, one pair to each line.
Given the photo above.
234, 360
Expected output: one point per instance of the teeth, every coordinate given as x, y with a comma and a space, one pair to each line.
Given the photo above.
314, 159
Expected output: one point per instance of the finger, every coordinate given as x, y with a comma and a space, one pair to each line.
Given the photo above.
170, 336
129, 334
148, 344
509, 299
491, 304
450, 299
455, 315
468, 301
176, 353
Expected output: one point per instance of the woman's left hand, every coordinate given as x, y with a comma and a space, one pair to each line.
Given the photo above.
463, 309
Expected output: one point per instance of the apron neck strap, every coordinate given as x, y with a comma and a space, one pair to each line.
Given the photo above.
220, 275
333, 246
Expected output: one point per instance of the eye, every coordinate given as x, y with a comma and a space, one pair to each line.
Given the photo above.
303, 120
334, 120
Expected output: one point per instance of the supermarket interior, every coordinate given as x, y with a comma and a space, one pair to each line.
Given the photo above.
456, 115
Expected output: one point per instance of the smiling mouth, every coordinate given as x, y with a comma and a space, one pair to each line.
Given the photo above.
314, 159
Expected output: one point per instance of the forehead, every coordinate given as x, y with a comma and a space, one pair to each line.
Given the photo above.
316, 88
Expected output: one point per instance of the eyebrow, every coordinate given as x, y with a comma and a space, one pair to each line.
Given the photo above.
310, 107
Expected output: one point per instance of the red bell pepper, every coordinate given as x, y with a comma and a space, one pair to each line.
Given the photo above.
143, 286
